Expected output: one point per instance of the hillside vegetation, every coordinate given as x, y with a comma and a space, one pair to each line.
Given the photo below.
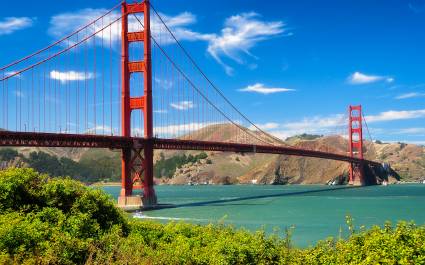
61, 221
183, 167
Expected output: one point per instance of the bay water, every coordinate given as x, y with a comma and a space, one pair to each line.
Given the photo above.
314, 212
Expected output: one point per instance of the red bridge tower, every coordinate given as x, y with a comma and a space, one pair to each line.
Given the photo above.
137, 161
355, 142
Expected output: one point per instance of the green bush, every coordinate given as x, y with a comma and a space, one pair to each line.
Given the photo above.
8, 154
43, 218
60, 221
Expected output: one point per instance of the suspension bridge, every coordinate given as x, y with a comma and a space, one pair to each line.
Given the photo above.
124, 81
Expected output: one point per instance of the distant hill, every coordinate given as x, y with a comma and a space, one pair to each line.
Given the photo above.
302, 137
182, 167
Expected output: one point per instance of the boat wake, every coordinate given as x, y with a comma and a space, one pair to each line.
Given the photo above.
143, 216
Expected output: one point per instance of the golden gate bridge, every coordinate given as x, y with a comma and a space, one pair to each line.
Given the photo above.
124, 81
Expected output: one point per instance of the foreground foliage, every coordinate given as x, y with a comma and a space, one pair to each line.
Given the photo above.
60, 221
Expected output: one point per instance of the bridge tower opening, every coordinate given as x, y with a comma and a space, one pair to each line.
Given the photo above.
355, 144
137, 160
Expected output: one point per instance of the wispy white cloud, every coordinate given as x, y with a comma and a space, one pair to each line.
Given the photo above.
337, 123
100, 129
260, 88
163, 83
178, 24
393, 115
182, 105
410, 95
64, 77
317, 122
11, 24
409, 131
265, 126
239, 35
160, 111
68, 22
332, 124
358, 78
10, 73
180, 129
406, 142
417, 6
19, 94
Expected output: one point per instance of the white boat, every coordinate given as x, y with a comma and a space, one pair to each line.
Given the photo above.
385, 183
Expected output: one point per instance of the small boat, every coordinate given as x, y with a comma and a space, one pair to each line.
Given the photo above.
384, 183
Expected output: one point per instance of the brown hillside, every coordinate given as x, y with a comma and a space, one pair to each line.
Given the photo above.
406, 159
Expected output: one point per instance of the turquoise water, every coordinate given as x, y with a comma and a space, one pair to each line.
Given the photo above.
316, 211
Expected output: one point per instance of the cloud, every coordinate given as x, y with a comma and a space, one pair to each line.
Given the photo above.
183, 105
163, 83
392, 115
179, 129
260, 88
64, 77
332, 124
317, 122
11, 24
10, 73
358, 78
411, 131
19, 94
174, 130
100, 129
178, 25
265, 126
239, 35
66, 23
410, 95
337, 124
417, 6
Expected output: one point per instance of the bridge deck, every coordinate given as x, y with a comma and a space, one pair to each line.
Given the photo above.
8, 138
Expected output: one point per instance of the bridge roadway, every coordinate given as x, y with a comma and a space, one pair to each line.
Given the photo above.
8, 138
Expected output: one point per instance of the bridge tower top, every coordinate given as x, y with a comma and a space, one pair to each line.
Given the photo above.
355, 142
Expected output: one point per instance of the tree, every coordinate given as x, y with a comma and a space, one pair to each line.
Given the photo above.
8, 154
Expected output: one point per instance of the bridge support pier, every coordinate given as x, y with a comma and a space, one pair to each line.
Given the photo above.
149, 196
356, 174
137, 172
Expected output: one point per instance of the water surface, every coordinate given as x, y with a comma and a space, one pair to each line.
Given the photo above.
316, 211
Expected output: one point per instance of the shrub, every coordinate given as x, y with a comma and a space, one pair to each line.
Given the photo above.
60, 221
8, 154
56, 218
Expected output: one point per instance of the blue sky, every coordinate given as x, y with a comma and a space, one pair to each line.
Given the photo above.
291, 66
